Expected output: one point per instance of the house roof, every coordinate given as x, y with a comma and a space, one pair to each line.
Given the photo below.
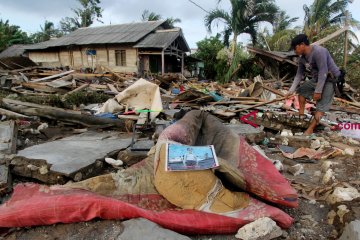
163, 38
120, 33
15, 50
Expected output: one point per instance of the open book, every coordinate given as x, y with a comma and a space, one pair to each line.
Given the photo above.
183, 157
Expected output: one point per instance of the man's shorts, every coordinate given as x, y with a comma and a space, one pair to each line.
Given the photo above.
307, 90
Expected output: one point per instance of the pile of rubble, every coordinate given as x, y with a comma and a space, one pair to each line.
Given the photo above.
62, 141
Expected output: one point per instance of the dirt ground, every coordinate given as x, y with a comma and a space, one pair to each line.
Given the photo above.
310, 218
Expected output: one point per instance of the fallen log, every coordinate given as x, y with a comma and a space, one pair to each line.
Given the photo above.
65, 116
14, 115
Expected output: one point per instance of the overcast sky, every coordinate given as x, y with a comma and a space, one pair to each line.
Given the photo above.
30, 14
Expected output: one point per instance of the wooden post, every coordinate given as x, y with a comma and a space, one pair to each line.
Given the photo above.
162, 62
346, 38
182, 63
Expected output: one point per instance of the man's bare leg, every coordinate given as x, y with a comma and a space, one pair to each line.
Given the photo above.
314, 122
302, 102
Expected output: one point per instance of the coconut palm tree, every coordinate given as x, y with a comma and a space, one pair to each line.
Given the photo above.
324, 13
282, 21
151, 16
244, 17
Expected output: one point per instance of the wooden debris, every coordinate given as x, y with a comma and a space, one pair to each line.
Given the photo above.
14, 115
42, 88
112, 88
53, 76
67, 116
78, 89
261, 104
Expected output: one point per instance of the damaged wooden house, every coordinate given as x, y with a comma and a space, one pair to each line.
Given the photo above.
134, 47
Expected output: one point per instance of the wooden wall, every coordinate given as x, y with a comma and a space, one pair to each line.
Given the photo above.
76, 58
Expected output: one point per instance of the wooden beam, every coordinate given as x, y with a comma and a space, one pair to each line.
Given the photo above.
182, 63
27, 104
331, 36
53, 76
162, 63
260, 104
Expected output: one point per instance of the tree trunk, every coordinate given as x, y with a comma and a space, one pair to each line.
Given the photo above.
234, 45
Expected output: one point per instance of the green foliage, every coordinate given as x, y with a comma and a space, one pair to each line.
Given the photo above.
352, 70
244, 17
151, 16
11, 34
84, 16
207, 51
77, 98
47, 32
282, 21
240, 65
281, 40
322, 14
353, 74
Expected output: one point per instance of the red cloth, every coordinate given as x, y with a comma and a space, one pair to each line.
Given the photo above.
263, 179
33, 204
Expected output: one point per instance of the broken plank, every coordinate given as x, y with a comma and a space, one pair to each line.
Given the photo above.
53, 76
41, 87
112, 88
115, 74
274, 91
246, 98
24, 77
347, 102
77, 89
61, 82
260, 104
14, 115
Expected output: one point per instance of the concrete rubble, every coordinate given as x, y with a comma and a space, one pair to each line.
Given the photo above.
261, 229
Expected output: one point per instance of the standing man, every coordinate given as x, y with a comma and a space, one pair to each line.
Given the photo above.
322, 68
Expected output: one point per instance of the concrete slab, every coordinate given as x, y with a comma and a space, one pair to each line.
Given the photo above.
8, 135
69, 155
141, 228
5, 179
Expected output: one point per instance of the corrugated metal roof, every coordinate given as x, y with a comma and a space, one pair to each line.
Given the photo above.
120, 33
13, 51
162, 39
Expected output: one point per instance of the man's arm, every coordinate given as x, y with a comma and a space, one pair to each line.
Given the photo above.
321, 63
298, 77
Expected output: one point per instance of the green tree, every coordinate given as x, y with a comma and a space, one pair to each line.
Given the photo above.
47, 32
322, 14
244, 17
282, 21
84, 16
207, 51
151, 16
282, 34
11, 34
